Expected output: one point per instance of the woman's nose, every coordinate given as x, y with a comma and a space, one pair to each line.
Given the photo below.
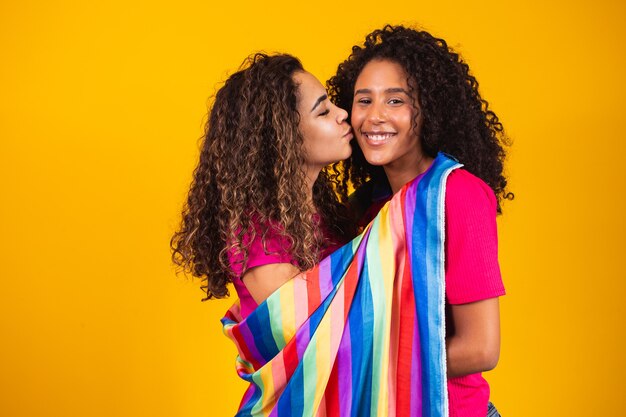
375, 113
342, 115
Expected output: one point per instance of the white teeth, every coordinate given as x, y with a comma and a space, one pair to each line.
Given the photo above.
379, 137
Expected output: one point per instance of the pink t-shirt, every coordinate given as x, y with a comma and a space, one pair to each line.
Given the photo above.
472, 269
276, 250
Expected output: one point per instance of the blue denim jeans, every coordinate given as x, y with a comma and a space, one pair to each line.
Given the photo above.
491, 411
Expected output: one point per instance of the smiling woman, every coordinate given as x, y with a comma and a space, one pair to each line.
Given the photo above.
411, 97
384, 112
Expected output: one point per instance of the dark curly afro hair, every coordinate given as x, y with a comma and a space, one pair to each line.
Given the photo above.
456, 119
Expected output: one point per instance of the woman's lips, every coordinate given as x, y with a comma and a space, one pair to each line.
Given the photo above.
378, 138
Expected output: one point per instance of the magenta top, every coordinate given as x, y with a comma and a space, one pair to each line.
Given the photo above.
472, 271
276, 251
471, 262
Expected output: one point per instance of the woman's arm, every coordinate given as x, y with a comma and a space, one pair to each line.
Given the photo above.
473, 280
474, 345
261, 281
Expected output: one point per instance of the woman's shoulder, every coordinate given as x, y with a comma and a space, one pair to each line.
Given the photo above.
265, 244
464, 188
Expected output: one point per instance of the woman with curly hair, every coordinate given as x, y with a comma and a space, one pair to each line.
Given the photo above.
261, 207
411, 99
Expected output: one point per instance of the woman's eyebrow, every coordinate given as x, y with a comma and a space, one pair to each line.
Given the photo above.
319, 100
397, 90
389, 90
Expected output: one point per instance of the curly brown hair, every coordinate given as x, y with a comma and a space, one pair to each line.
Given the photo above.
251, 172
456, 119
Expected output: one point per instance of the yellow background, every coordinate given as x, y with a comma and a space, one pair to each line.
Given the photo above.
101, 108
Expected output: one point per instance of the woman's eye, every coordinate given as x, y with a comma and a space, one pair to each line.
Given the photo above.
395, 101
365, 101
325, 112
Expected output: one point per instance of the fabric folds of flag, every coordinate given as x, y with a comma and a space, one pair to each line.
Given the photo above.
363, 333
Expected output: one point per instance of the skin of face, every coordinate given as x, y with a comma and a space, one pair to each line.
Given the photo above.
323, 125
382, 117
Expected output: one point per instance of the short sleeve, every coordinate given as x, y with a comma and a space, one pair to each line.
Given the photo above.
275, 249
472, 269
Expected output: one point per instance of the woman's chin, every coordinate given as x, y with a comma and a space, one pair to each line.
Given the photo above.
376, 160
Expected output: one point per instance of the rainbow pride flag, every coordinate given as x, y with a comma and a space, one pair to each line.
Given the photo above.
363, 333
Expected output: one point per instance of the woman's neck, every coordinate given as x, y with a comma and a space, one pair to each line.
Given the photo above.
400, 174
